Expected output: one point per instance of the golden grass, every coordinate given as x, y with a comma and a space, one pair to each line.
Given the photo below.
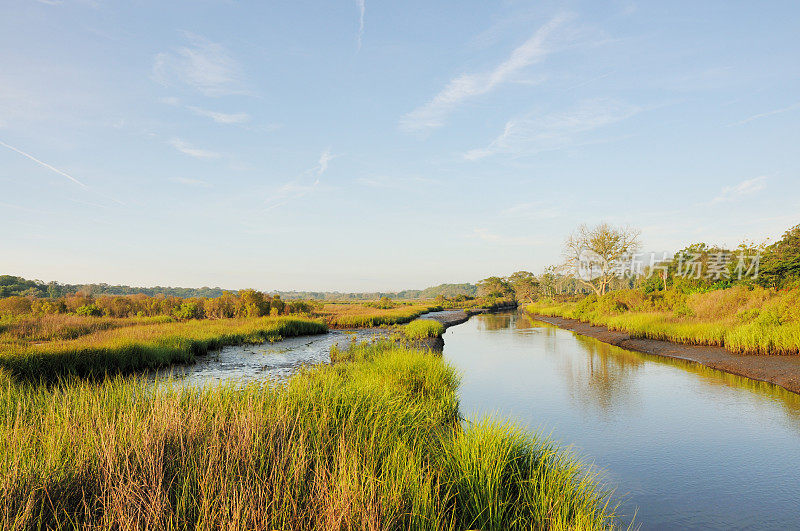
363, 315
742, 320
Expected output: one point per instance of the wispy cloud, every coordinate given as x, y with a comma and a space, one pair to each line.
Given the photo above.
322, 164
362, 8
486, 235
734, 193
534, 133
44, 164
467, 86
221, 117
306, 183
187, 149
395, 183
782, 110
191, 182
203, 65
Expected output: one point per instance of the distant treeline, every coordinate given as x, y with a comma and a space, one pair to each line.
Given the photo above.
11, 285
17, 286
442, 290
245, 303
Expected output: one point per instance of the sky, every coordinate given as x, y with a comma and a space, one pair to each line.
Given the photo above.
355, 145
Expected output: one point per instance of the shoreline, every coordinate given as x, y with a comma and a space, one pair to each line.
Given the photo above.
451, 318
783, 371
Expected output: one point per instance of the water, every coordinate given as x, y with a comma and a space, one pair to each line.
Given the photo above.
267, 362
690, 447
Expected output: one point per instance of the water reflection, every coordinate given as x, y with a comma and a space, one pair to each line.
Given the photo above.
694, 448
606, 377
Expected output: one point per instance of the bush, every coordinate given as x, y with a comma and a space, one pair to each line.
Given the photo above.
188, 310
89, 310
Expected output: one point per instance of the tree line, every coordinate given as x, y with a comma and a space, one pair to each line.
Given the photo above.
244, 303
604, 257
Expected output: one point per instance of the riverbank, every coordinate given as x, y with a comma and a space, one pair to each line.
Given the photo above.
372, 441
783, 371
446, 318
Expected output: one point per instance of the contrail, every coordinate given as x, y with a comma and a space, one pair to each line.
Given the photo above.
361, 9
46, 165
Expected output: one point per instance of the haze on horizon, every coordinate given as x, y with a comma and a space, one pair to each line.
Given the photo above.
358, 146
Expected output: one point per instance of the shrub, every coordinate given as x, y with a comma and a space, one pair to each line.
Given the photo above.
88, 310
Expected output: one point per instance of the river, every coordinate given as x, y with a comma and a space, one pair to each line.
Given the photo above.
685, 447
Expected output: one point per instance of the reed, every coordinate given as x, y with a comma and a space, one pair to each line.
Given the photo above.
423, 329
363, 315
143, 346
372, 442
742, 320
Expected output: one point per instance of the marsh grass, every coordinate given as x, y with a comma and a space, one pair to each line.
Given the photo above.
32, 329
744, 321
423, 329
124, 349
364, 315
372, 442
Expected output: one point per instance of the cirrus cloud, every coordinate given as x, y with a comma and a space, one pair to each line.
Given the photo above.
201, 64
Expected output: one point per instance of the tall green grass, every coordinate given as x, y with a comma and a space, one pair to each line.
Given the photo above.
743, 321
147, 346
423, 329
372, 442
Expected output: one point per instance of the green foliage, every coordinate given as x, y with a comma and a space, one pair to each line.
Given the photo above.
423, 329
497, 287
189, 310
17, 286
89, 310
780, 265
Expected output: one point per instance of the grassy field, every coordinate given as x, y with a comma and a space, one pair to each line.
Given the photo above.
745, 321
355, 315
371, 442
94, 347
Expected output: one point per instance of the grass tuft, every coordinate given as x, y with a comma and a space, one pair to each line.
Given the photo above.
423, 329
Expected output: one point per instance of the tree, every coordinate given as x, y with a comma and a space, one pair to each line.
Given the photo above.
525, 285
596, 255
53, 290
494, 287
781, 260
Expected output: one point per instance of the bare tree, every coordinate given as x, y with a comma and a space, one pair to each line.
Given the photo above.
595, 255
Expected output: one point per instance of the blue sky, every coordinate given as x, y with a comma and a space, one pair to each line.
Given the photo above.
357, 145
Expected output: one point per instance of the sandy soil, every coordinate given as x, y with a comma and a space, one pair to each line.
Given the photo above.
779, 370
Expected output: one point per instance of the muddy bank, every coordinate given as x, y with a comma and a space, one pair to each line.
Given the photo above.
779, 370
447, 318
